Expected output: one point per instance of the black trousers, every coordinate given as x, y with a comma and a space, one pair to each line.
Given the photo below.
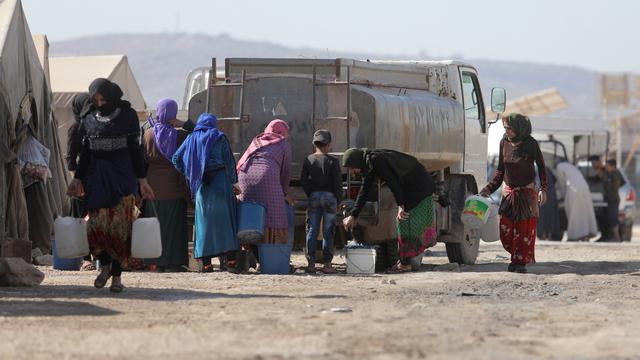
105, 260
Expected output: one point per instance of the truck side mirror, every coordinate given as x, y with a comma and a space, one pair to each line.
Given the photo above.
498, 100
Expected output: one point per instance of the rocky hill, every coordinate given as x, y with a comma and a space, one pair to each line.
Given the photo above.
161, 62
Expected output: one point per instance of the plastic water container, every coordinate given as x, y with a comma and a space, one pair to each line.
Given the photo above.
146, 241
59, 263
71, 236
361, 260
274, 258
251, 219
476, 211
491, 230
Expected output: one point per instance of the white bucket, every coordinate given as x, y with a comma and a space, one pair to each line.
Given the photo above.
361, 261
491, 230
71, 237
476, 211
146, 242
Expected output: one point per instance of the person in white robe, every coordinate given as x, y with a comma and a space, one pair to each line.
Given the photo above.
578, 204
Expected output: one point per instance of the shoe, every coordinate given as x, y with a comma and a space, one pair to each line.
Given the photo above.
116, 285
328, 269
103, 277
511, 267
520, 269
310, 269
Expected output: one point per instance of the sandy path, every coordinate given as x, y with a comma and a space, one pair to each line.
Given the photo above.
579, 301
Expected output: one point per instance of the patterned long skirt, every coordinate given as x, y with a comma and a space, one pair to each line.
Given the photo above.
418, 231
519, 239
109, 229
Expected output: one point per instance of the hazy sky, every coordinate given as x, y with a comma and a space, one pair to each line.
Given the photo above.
599, 35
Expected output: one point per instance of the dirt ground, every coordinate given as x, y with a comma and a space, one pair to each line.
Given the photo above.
580, 301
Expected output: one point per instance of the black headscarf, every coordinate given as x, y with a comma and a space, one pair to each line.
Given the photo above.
401, 163
524, 145
520, 124
110, 91
79, 102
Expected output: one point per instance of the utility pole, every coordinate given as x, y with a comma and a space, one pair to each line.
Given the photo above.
615, 92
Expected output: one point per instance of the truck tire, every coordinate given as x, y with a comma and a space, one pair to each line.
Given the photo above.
465, 252
463, 249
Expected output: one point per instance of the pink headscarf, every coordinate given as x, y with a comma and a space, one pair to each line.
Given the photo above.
276, 131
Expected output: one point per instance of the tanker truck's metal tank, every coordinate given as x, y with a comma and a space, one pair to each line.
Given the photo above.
407, 108
418, 122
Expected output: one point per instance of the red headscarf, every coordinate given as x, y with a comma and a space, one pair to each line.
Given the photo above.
276, 131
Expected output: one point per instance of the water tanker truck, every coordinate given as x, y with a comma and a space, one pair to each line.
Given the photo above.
433, 110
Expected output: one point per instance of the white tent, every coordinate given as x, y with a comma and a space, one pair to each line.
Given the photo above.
25, 109
72, 75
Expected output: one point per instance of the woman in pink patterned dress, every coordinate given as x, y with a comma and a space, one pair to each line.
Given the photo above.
263, 176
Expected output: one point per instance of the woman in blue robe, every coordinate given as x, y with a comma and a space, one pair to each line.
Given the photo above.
205, 158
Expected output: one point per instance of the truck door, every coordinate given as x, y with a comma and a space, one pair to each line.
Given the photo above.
475, 137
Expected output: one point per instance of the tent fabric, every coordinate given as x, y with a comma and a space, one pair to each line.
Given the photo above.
71, 75
25, 106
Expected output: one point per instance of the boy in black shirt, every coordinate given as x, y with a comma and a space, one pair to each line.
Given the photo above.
321, 179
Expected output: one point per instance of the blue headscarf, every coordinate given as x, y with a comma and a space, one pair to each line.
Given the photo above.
198, 147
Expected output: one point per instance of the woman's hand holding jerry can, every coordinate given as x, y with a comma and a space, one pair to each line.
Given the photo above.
75, 188
145, 189
349, 222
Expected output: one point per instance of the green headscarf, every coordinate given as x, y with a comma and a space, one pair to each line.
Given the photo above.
401, 163
354, 158
520, 125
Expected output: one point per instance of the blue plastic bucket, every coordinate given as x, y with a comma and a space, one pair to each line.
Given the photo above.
64, 264
251, 218
274, 258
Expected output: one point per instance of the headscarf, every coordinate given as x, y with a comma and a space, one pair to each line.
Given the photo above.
198, 147
110, 91
354, 158
164, 134
276, 131
401, 163
78, 103
520, 125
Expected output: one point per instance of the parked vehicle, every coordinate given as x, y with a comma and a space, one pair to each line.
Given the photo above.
432, 110
576, 140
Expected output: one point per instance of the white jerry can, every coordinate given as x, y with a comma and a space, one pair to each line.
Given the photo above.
146, 242
491, 230
71, 237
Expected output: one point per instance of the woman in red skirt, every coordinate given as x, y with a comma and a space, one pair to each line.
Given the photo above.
520, 199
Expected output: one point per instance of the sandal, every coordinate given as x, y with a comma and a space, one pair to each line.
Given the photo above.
206, 269
87, 266
328, 269
103, 277
398, 269
311, 269
116, 285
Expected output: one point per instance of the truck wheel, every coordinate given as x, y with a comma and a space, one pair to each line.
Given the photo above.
464, 247
465, 252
